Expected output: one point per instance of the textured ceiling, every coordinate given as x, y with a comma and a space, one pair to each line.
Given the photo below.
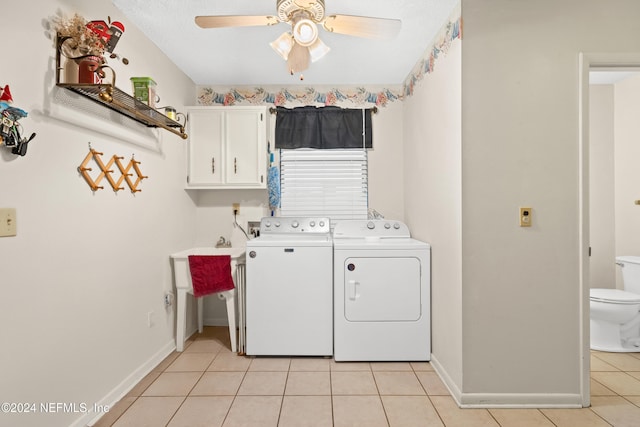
242, 56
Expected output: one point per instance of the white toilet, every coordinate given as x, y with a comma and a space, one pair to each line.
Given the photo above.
615, 313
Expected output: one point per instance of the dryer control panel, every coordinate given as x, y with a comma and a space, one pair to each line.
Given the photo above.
374, 228
294, 225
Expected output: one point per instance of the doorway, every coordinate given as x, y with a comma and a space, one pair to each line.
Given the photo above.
587, 63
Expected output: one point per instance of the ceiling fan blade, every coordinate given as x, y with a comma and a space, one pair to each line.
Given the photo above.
363, 26
235, 21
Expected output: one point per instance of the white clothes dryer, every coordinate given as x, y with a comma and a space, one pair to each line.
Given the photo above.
382, 292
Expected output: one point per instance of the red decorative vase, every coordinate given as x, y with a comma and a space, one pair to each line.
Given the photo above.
87, 70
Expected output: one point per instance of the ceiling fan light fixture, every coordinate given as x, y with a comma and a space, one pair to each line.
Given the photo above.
283, 45
318, 49
305, 31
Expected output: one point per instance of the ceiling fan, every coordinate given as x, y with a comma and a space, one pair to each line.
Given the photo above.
302, 43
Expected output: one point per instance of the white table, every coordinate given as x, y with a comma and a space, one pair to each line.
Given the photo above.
184, 286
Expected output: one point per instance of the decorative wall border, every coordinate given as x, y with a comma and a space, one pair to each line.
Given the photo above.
294, 97
341, 96
450, 32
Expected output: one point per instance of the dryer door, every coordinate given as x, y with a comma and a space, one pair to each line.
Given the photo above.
382, 289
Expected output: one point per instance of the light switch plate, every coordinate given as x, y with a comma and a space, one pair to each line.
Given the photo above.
525, 217
7, 222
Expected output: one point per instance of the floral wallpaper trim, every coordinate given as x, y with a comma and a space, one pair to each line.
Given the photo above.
342, 96
294, 97
450, 32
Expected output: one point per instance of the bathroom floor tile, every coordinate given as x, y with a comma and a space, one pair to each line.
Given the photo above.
173, 384
520, 418
310, 364
149, 412
204, 346
207, 384
619, 382
634, 399
584, 417
263, 384
167, 361
398, 384
432, 384
358, 411
202, 412
635, 375
353, 383
218, 384
350, 366
144, 383
270, 364
410, 411
616, 411
390, 366
306, 411
622, 361
110, 417
229, 362
254, 411
597, 364
598, 389
422, 366
452, 415
308, 384
191, 362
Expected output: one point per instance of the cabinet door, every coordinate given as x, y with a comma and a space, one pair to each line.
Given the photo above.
206, 133
245, 148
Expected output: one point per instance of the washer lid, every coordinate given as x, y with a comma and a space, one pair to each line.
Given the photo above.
616, 296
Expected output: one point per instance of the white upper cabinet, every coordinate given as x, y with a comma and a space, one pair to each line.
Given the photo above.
227, 147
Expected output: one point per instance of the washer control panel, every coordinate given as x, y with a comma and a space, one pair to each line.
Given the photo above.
297, 225
375, 228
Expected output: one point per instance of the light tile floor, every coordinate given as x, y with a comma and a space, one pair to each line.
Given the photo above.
207, 385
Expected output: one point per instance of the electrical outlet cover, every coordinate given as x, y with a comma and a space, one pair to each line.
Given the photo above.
8, 226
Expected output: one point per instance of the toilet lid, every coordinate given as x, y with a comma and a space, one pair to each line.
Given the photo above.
614, 296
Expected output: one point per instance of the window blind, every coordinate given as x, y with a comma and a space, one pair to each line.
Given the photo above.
331, 183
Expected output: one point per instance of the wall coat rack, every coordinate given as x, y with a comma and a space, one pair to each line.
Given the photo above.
106, 171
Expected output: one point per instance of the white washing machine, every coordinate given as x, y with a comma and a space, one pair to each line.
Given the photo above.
289, 288
382, 292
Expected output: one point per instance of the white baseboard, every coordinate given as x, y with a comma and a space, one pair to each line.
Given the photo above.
505, 400
446, 379
520, 400
90, 418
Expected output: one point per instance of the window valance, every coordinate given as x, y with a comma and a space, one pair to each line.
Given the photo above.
323, 128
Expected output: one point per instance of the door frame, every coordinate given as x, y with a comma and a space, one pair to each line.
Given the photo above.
587, 61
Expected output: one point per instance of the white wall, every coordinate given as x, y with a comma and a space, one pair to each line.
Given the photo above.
521, 286
627, 172
386, 178
432, 174
602, 271
85, 268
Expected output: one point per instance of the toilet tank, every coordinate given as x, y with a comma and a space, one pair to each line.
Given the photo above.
630, 272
